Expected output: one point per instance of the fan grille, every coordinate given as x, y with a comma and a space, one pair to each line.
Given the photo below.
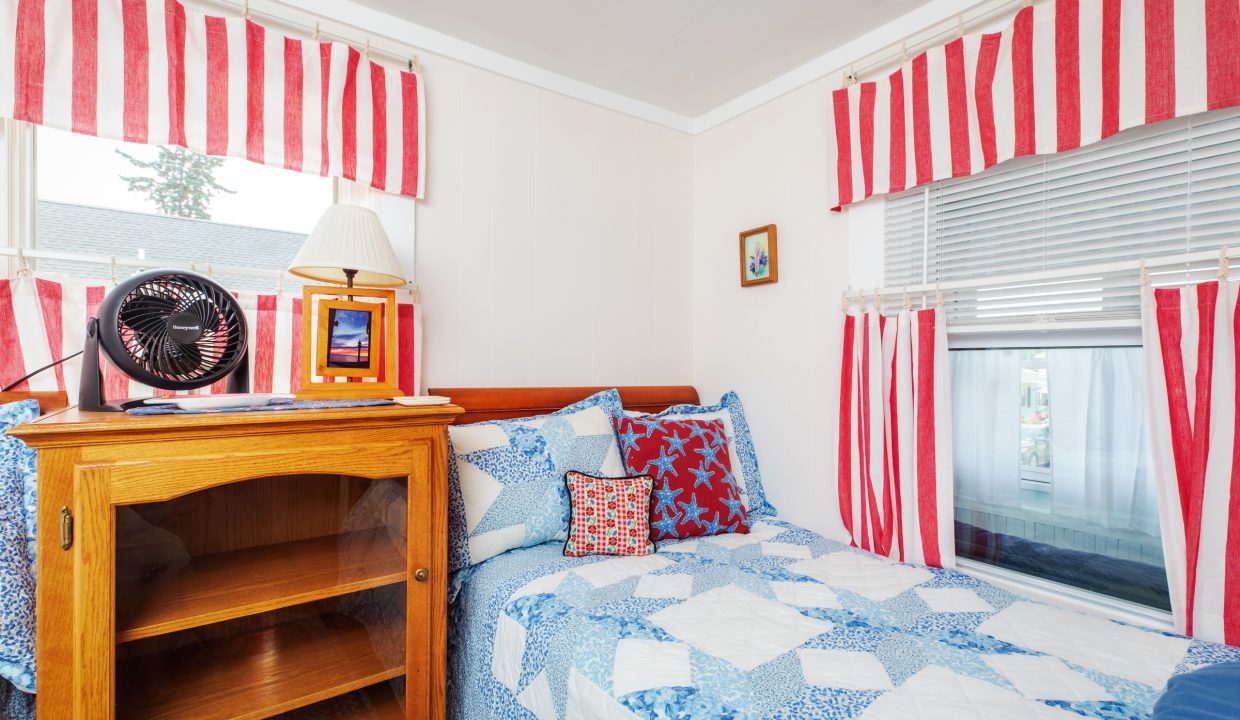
142, 325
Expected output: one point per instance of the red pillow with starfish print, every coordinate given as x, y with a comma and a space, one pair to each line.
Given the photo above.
695, 492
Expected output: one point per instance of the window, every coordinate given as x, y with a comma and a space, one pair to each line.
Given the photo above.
240, 221
1052, 468
1060, 234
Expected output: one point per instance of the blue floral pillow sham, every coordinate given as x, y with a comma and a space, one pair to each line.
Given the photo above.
506, 477
740, 446
17, 547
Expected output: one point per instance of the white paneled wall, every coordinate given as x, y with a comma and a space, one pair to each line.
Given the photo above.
777, 345
554, 246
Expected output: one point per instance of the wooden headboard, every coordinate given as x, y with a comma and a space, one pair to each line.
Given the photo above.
502, 403
49, 401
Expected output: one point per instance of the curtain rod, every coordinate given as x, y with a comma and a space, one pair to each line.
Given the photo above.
318, 27
910, 45
113, 262
1173, 264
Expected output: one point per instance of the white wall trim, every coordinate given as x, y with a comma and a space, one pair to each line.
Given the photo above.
837, 60
364, 21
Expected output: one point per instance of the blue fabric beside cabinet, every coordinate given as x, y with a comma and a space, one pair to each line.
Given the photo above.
17, 549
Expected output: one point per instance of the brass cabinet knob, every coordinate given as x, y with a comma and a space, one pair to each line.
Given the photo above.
421, 574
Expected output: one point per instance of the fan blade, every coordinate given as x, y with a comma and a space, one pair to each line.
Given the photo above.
182, 360
205, 310
144, 312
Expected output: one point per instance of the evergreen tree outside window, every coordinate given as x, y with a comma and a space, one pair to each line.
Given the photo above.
183, 182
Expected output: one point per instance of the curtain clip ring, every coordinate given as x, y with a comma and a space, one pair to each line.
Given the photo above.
1145, 274
210, 273
245, 9
23, 264
1224, 265
112, 269
280, 283
906, 304
938, 296
317, 33
844, 299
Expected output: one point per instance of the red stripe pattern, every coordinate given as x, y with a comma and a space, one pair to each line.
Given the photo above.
44, 319
1192, 356
85, 65
893, 480
1096, 68
355, 116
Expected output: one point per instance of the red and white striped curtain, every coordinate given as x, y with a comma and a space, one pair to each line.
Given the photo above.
43, 319
150, 71
1064, 74
1192, 355
895, 463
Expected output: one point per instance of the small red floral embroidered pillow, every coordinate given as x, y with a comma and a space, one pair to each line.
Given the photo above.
611, 516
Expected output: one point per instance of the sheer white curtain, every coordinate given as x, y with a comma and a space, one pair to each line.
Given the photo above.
986, 418
1101, 457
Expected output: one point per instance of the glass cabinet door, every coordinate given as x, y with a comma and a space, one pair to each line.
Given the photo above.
281, 597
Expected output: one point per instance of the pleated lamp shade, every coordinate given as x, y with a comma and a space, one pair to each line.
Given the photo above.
348, 237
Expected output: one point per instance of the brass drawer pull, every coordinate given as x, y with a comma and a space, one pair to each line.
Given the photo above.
421, 574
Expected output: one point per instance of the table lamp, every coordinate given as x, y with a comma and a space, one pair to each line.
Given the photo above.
348, 347
348, 247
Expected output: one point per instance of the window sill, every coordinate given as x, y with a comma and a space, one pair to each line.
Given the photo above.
1069, 597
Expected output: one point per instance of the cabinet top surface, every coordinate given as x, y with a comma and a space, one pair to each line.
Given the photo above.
71, 426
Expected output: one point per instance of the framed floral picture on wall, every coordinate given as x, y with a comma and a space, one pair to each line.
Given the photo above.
759, 256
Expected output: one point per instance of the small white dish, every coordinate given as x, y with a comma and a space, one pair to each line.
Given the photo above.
420, 400
216, 402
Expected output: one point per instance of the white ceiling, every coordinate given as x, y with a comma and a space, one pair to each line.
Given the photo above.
686, 56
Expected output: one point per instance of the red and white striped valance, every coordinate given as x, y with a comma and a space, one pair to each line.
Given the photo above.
43, 319
1064, 74
149, 71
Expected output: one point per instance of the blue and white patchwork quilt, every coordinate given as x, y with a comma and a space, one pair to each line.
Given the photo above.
17, 547
782, 623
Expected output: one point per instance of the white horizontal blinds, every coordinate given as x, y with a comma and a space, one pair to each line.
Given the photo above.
1059, 220
904, 245
1214, 219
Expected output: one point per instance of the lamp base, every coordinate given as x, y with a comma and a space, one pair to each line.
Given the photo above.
349, 391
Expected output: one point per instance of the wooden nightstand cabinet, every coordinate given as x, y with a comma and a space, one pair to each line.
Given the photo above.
245, 565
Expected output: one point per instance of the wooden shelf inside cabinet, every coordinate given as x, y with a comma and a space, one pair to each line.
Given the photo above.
377, 702
254, 676
229, 585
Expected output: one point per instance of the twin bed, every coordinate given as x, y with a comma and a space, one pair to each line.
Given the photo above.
777, 623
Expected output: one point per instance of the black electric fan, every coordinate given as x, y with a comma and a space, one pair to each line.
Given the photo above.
169, 329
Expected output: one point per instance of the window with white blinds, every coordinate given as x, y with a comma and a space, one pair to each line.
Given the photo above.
1055, 239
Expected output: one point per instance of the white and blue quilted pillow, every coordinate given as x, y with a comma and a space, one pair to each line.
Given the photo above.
741, 452
506, 477
17, 531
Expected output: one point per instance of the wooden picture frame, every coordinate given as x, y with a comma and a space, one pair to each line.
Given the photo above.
325, 377
759, 256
